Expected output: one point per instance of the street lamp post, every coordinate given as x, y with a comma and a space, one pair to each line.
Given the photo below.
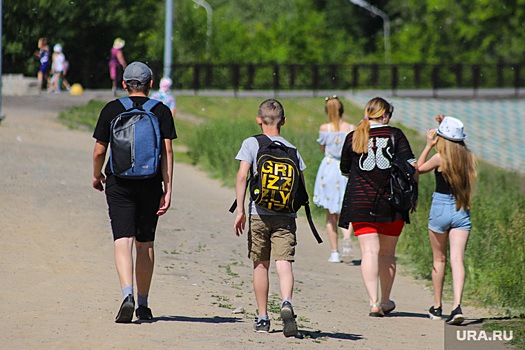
386, 23
168, 39
209, 13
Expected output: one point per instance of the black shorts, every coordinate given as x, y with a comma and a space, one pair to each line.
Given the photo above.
133, 206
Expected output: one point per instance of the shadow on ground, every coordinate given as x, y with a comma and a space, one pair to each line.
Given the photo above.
215, 319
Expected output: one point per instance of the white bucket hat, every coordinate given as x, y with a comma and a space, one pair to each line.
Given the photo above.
451, 129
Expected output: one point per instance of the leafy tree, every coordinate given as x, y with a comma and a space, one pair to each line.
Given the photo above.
86, 29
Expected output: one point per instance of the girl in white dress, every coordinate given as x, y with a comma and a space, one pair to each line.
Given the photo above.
330, 185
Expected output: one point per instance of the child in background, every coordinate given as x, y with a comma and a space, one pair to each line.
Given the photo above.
330, 184
164, 95
58, 70
45, 62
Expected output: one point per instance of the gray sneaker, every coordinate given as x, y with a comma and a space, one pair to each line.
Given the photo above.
288, 317
262, 326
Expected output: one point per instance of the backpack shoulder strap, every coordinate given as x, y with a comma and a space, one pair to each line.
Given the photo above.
150, 104
262, 139
126, 102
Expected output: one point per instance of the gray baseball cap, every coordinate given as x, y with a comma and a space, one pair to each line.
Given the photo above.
137, 71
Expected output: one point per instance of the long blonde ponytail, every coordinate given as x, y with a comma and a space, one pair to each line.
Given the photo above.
374, 109
334, 108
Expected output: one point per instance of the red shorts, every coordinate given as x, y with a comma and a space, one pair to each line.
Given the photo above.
382, 228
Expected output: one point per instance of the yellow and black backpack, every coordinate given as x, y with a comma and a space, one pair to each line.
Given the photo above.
278, 184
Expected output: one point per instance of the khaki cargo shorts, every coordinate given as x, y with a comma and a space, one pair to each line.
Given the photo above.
272, 237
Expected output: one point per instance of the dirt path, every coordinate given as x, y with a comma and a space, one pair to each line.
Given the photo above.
59, 288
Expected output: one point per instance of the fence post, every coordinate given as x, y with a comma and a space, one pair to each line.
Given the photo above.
499, 69
251, 74
209, 75
196, 81
292, 75
315, 78
459, 74
517, 79
417, 75
476, 71
275, 79
394, 80
355, 76
235, 78
375, 75
435, 79
333, 76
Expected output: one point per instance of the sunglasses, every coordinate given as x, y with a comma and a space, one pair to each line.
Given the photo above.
328, 98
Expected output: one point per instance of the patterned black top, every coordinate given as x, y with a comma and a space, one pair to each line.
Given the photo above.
366, 197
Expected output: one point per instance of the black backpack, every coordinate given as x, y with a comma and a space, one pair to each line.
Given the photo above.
403, 185
278, 184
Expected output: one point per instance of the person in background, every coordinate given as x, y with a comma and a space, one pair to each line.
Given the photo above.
330, 185
44, 58
454, 168
366, 158
117, 64
59, 70
165, 96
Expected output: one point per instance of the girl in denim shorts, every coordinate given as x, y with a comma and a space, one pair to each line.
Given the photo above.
449, 218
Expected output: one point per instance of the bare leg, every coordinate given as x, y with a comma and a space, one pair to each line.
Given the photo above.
144, 266
65, 82
261, 285
458, 242
438, 241
387, 265
369, 244
285, 273
331, 229
347, 232
124, 260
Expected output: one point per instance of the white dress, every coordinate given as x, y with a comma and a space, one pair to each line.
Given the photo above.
330, 185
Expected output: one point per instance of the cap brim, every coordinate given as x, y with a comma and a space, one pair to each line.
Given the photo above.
451, 138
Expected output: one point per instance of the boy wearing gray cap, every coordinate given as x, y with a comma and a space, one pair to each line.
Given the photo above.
134, 203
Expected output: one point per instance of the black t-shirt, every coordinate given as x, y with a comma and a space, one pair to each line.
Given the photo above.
368, 183
114, 108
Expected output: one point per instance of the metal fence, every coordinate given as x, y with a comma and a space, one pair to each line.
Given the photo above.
314, 77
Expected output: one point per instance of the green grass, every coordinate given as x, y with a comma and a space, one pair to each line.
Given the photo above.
86, 115
495, 256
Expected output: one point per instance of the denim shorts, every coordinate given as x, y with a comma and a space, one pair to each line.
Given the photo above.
443, 216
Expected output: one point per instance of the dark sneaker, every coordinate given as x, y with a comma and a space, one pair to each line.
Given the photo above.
143, 313
288, 317
262, 326
456, 317
435, 313
125, 314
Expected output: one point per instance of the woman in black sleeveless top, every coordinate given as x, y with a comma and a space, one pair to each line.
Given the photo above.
449, 218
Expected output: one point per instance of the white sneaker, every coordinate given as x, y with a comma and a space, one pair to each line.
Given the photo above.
334, 258
347, 247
